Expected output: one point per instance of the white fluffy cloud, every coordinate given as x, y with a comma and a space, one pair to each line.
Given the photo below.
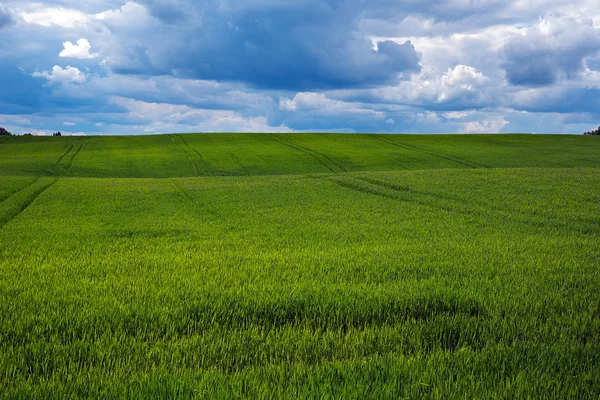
319, 103
163, 117
79, 50
130, 14
59, 75
460, 81
460, 87
60, 17
491, 125
554, 49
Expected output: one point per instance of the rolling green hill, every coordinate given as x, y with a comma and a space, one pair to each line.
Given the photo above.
189, 155
300, 266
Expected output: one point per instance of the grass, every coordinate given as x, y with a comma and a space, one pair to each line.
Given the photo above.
176, 156
327, 266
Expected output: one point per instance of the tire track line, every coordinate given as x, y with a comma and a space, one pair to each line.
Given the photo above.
377, 191
70, 163
206, 167
11, 194
287, 144
466, 209
470, 164
239, 163
186, 153
183, 192
454, 199
313, 153
325, 156
361, 189
416, 149
195, 202
61, 157
20, 208
408, 189
68, 158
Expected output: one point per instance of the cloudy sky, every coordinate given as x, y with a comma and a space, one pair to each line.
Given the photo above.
422, 66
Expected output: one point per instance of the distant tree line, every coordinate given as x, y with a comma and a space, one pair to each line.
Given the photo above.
594, 133
4, 132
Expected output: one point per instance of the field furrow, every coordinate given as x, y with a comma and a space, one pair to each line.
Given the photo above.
456, 160
13, 185
398, 193
324, 160
65, 163
469, 206
186, 154
239, 164
203, 162
17, 203
291, 146
69, 147
78, 148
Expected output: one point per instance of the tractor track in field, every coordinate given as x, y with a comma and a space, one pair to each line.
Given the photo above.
479, 207
206, 166
291, 146
182, 191
361, 189
453, 199
186, 153
237, 161
20, 208
77, 145
9, 195
186, 194
456, 160
330, 164
399, 194
70, 147
70, 162
459, 206
407, 189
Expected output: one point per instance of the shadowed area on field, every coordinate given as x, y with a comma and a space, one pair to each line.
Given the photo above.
188, 155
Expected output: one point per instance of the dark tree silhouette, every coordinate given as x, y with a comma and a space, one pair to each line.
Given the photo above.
594, 133
57, 134
4, 132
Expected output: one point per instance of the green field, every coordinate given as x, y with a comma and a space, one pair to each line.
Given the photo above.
300, 266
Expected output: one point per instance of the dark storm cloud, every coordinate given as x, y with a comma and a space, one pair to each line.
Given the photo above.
274, 45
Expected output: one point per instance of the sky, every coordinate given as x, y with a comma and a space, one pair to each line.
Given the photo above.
413, 66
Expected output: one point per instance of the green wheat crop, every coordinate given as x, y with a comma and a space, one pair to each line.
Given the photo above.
300, 266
